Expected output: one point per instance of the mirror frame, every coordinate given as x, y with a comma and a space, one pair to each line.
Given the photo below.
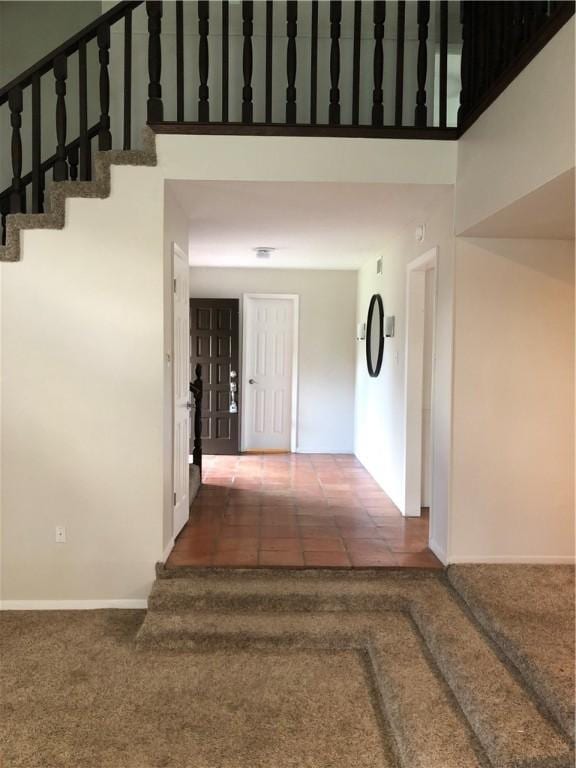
374, 370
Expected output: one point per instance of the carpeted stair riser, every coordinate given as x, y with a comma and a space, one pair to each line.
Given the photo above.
211, 610
562, 713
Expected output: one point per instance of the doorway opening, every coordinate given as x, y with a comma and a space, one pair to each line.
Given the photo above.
419, 423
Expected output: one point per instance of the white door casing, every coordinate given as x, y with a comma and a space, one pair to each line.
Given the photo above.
413, 414
270, 355
181, 383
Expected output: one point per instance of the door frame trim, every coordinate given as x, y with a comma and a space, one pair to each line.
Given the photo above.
177, 252
295, 299
414, 367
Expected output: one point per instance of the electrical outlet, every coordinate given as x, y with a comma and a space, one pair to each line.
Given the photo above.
60, 534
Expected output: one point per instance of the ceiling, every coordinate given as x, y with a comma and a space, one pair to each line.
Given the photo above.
546, 213
311, 225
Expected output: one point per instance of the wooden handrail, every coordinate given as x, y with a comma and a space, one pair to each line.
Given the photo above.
69, 47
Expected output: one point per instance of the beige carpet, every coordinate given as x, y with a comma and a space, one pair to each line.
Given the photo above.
277, 669
75, 693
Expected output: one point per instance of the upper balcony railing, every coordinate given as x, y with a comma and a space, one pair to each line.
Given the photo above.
358, 68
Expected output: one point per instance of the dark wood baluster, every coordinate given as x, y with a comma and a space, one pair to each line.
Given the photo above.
247, 29
492, 43
335, 20
421, 111
314, 62
529, 20
104, 135
73, 162
291, 30
180, 61
4, 211
443, 61
37, 190
399, 92
60, 75
197, 390
481, 61
540, 13
517, 26
85, 169
465, 21
377, 93
269, 60
356, 62
128, 80
155, 107
499, 20
17, 192
203, 28
225, 60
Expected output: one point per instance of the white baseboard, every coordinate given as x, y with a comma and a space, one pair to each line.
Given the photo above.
70, 605
336, 451
513, 559
438, 551
169, 548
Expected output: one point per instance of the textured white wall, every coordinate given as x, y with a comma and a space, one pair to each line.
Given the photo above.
326, 344
513, 492
525, 139
380, 402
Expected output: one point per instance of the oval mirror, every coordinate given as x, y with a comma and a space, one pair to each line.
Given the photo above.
375, 335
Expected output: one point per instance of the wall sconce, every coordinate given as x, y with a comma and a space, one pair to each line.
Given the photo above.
389, 326
360, 331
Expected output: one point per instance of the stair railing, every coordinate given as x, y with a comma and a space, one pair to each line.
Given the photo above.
491, 42
68, 160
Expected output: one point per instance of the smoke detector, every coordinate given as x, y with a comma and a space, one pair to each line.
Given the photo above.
263, 252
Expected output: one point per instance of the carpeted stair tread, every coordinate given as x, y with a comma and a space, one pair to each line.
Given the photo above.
528, 611
332, 610
409, 689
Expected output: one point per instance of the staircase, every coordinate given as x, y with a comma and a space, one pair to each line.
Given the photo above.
449, 695
346, 89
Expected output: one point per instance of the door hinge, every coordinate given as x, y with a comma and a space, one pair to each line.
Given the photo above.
174, 498
174, 285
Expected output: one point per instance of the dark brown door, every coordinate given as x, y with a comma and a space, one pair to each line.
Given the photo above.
214, 344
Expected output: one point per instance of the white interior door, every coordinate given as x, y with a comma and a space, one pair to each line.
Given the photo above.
181, 373
269, 345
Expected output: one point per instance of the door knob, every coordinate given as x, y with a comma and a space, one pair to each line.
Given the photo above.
251, 381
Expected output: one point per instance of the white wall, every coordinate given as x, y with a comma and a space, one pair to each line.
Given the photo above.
513, 492
525, 139
326, 362
83, 363
380, 402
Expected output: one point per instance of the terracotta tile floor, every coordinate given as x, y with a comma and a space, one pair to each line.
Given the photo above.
297, 510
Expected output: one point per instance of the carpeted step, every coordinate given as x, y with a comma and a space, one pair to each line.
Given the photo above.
330, 609
407, 688
254, 590
528, 611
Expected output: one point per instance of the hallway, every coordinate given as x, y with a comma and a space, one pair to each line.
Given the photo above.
297, 510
